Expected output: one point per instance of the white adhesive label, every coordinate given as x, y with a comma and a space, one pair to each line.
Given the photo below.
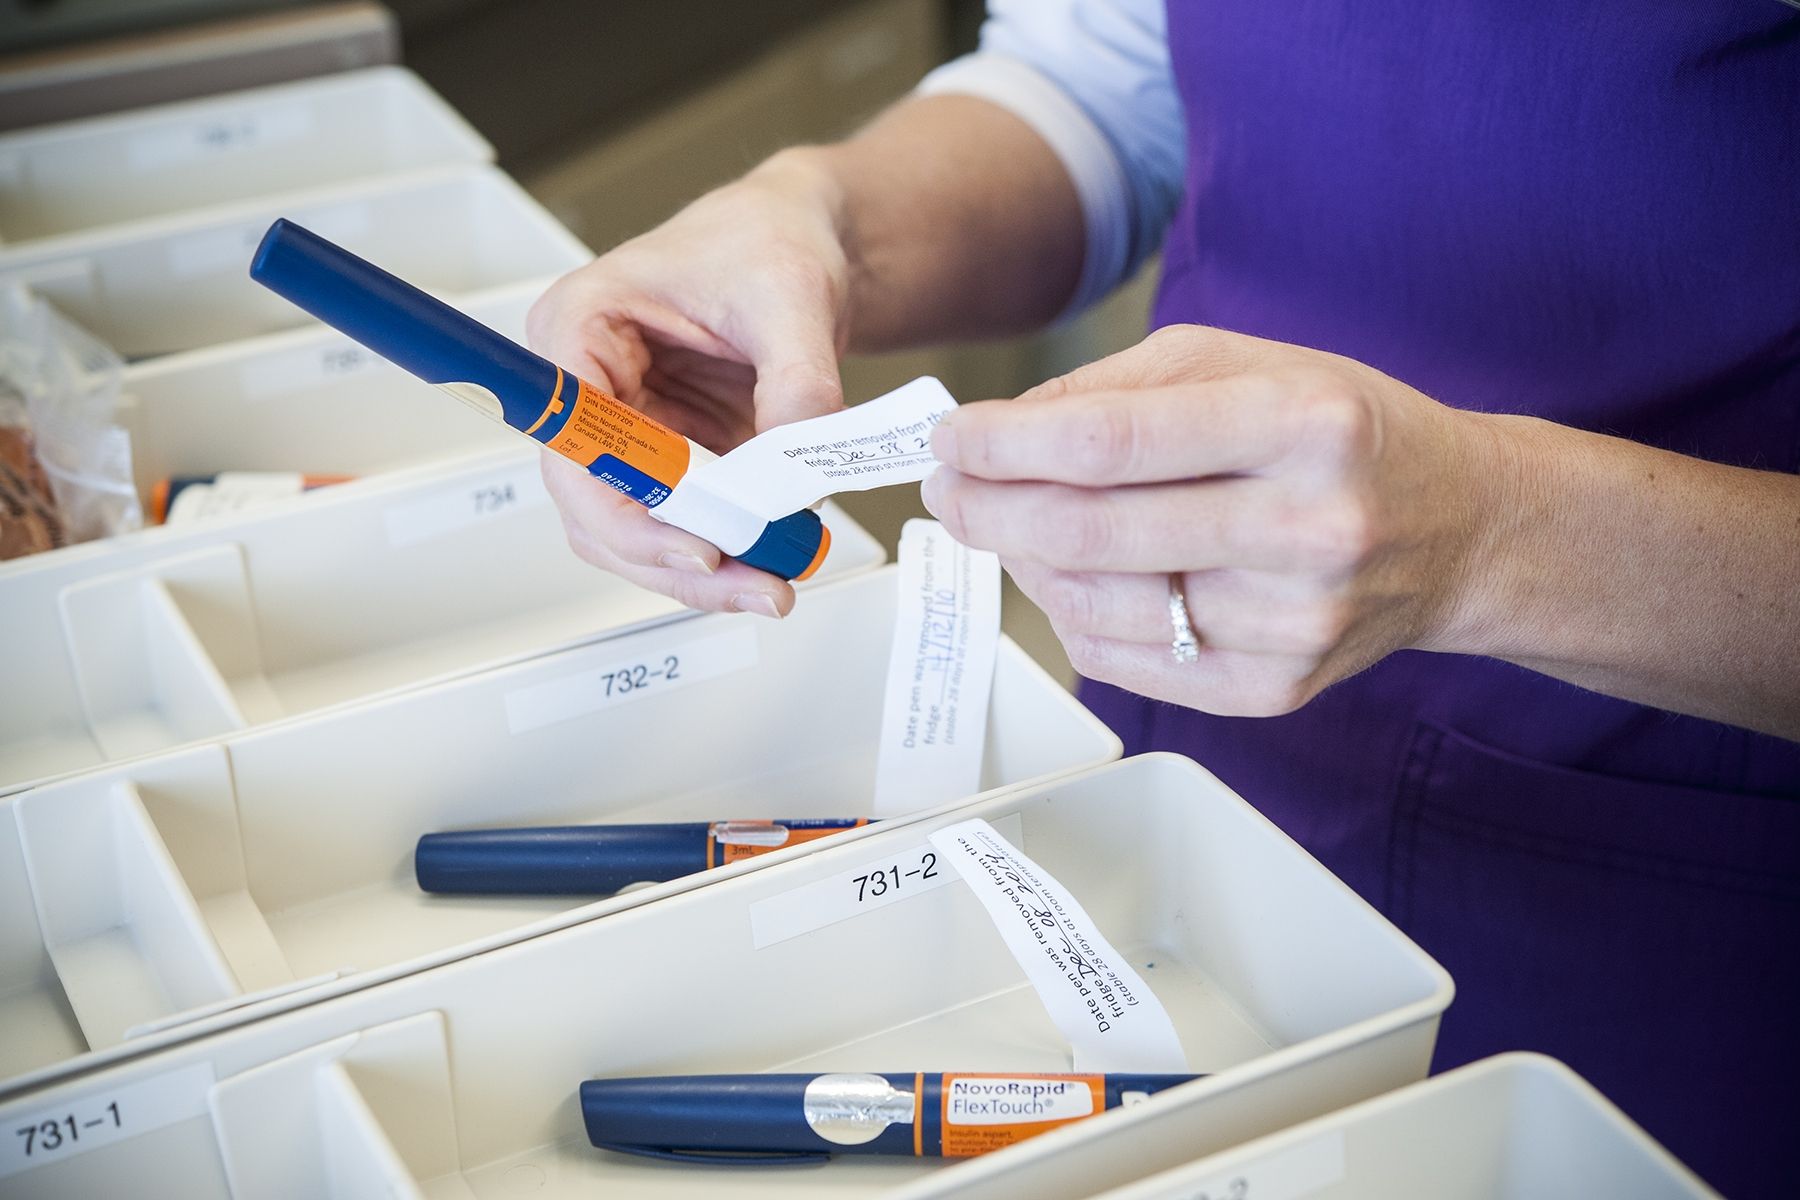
879, 443
1112, 1019
233, 492
635, 669
940, 672
1287, 1174
995, 1100
908, 872
447, 510
102, 1117
290, 371
217, 136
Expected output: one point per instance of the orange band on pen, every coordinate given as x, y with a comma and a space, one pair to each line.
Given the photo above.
818, 557
919, 1115
555, 405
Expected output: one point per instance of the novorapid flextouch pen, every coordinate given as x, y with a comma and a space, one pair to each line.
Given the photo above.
615, 443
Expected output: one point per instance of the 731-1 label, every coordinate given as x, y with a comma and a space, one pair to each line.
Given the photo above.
98, 1118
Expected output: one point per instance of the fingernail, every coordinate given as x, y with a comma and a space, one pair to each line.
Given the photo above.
691, 563
930, 490
760, 603
943, 443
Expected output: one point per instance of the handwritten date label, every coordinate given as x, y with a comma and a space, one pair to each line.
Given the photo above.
99, 1118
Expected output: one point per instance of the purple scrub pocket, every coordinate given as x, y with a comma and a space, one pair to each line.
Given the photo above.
1647, 934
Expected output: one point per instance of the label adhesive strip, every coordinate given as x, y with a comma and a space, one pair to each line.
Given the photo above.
940, 672
1112, 1019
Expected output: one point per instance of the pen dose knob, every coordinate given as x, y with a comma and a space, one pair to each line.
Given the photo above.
792, 547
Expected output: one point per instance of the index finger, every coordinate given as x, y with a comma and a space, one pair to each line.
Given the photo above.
1107, 438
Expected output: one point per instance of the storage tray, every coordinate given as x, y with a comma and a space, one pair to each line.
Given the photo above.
149, 642
1514, 1127
460, 1081
177, 283
76, 175
192, 880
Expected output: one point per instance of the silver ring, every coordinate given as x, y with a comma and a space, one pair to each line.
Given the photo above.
1186, 646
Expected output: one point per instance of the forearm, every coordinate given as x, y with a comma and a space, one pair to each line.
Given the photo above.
1635, 572
956, 219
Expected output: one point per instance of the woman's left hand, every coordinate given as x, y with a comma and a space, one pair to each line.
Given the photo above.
1316, 514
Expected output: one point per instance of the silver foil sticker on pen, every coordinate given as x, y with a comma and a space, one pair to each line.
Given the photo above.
851, 1109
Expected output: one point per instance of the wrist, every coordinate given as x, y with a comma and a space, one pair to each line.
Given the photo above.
1507, 471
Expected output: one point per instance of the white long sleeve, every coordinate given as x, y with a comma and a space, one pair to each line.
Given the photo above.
1092, 77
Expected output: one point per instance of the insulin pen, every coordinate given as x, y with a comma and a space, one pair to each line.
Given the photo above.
501, 379
744, 1119
597, 860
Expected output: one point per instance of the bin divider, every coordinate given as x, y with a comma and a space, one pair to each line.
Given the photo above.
125, 935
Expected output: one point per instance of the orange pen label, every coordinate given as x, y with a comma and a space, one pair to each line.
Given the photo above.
990, 1112
600, 426
724, 853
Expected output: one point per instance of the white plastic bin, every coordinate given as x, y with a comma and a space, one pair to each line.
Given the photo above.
1514, 1127
76, 175
198, 878
177, 283
461, 1080
309, 401
143, 643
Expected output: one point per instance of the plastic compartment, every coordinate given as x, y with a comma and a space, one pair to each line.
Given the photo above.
1515, 1127
198, 879
310, 401
177, 283
460, 1081
75, 175
148, 642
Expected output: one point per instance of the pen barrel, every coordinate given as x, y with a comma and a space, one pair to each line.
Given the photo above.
566, 860
691, 1116
406, 326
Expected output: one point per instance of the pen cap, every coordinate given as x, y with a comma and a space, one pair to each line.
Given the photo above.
560, 860
677, 1115
401, 323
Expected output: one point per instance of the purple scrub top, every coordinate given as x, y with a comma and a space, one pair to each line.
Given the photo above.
1589, 212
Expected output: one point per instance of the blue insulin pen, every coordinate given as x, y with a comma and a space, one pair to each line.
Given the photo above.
741, 1119
597, 860
500, 378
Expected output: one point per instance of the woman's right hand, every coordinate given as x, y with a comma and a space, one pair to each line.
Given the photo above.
724, 321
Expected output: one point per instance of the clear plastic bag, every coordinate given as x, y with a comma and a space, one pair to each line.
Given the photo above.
65, 461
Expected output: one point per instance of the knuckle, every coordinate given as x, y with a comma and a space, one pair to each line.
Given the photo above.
1085, 655
1334, 417
1068, 602
1078, 535
1108, 443
1316, 628
1340, 537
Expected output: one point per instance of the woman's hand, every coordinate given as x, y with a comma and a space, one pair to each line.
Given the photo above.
1316, 514
720, 323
